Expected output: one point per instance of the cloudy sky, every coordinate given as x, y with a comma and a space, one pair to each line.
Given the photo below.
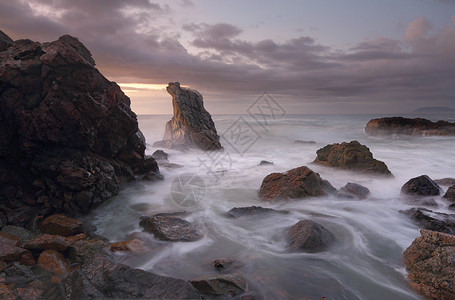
312, 56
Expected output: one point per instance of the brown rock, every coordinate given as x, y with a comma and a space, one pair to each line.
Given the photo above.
217, 285
61, 225
54, 262
10, 239
352, 190
83, 250
309, 235
191, 126
29, 293
9, 252
169, 228
417, 126
430, 264
445, 181
435, 221
75, 238
350, 156
48, 242
6, 293
134, 246
450, 193
300, 182
27, 259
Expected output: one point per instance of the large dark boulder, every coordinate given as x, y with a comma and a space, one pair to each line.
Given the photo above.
68, 137
300, 182
430, 264
350, 156
192, 125
406, 126
421, 186
311, 236
102, 278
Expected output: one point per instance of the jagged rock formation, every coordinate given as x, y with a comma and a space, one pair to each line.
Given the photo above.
351, 156
400, 125
300, 182
191, 126
68, 137
430, 264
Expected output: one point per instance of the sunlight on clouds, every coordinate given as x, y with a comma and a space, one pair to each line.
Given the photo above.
134, 87
40, 9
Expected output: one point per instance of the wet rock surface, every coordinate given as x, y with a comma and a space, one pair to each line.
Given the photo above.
350, 156
421, 186
68, 137
311, 236
430, 264
192, 125
427, 219
406, 126
445, 181
300, 182
218, 285
61, 225
170, 228
450, 193
237, 212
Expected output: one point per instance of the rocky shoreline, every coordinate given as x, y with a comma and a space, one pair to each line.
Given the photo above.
69, 141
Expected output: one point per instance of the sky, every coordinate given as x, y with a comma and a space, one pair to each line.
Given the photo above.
311, 56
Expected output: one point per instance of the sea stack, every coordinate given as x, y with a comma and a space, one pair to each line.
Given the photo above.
406, 126
192, 125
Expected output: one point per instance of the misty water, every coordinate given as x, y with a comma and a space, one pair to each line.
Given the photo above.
364, 263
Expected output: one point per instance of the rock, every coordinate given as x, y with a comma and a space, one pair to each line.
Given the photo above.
265, 163
352, 190
406, 126
309, 235
237, 212
170, 165
48, 242
61, 225
421, 186
417, 201
300, 182
350, 156
429, 261
84, 250
5, 41
160, 155
68, 137
10, 252
452, 206
102, 278
169, 228
450, 194
23, 234
191, 126
430, 220
445, 181
54, 262
304, 142
10, 239
223, 263
29, 293
217, 285
134, 246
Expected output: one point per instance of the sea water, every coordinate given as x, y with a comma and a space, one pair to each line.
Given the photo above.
371, 234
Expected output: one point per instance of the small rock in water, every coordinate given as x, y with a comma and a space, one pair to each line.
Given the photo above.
304, 142
352, 190
309, 235
421, 202
421, 186
430, 220
218, 285
168, 228
170, 165
133, 246
450, 194
252, 210
160, 155
223, 263
265, 163
445, 181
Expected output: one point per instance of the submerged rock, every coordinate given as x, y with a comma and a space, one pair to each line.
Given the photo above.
265, 163
217, 285
445, 181
421, 186
352, 190
160, 155
427, 219
450, 193
417, 126
68, 137
170, 228
350, 156
223, 263
300, 182
304, 142
191, 126
237, 212
309, 235
429, 261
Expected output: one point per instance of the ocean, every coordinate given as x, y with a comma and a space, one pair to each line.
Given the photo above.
371, 234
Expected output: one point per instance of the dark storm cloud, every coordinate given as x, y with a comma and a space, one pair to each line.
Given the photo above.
137, 41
